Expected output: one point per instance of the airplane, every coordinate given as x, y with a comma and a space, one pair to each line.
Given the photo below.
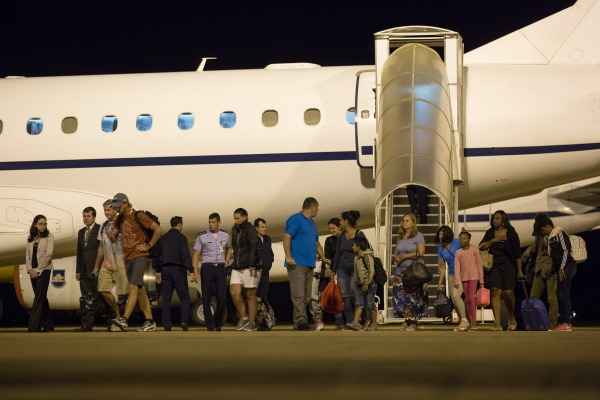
190, 143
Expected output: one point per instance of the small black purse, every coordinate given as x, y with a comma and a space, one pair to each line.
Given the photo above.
416, 274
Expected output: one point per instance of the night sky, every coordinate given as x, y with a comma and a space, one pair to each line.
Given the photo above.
105, 37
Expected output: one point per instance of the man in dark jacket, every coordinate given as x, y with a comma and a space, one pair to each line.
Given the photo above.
173, 264
245, 275
559, 248
87, 251
265, 257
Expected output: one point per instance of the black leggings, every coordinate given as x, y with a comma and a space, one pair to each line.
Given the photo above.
40, 311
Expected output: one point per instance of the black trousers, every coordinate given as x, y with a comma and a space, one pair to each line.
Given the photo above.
88, 302
263, 286
40, 317
174, 277
213, 285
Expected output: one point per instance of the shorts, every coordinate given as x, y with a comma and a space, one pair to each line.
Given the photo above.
243, 277
502, 276
364, 299
135, 271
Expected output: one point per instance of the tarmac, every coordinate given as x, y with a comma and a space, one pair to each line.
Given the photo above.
432, 362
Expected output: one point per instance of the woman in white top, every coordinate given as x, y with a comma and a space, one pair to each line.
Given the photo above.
38, 260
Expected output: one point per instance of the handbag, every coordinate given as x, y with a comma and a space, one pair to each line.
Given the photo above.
416, 274
487, 260
483, 296
331, 299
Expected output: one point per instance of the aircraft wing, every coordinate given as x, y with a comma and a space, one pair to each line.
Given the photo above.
588, 195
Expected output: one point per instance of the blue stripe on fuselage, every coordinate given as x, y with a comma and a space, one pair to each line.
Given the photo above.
269, 158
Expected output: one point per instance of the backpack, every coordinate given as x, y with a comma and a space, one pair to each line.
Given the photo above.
380, 277
578, 248
265, 316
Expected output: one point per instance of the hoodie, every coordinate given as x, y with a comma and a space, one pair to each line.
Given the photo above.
559, 248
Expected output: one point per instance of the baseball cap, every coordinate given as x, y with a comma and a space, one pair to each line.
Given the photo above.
119, 199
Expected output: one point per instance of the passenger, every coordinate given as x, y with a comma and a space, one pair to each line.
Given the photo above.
503, 243
175, 264
86, 272
363, 285
212, 251
448, 246
335, 230
411, 245
301, 245
245, 275
343, 266
132, 225
468, 269
264, 250
563, 264
110, 264
418, 198
38, 261
545, 278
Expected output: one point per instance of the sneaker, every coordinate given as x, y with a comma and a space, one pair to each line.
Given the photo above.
372, 327
355, 326
339, 327
303, 326
242, 324
410, 327
319, 326
563, 328
185, 327
120, 323
250, 327
463, 326
148, 326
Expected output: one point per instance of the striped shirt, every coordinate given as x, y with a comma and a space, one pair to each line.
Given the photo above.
212, 246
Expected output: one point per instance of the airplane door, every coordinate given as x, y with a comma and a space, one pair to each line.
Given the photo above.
365, 124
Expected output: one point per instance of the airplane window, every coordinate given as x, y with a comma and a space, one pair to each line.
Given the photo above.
35, 126
364, 114
1, 126
185, 121
109, 123
351, 115
69, 125
144, 122
312, 116
270, 118
227, 119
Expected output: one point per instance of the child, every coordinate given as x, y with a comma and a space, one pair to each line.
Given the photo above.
363, 285
469, 271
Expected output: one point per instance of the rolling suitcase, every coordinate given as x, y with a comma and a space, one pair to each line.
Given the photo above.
534, 313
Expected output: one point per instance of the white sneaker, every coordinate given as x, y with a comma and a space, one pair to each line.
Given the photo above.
319, 326
242, 324
149, 326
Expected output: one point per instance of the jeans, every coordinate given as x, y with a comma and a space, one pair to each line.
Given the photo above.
564, 295
344, 279
174, 277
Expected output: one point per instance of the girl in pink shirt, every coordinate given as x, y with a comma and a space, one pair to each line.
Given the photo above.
469, 271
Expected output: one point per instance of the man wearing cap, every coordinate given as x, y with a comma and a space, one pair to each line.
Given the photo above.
211, 251
136, 243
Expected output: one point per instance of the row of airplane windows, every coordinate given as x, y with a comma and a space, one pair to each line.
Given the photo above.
185, 121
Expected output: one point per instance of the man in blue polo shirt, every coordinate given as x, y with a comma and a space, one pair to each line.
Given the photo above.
301, 245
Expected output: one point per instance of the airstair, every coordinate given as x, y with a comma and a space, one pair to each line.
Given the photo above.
418, 145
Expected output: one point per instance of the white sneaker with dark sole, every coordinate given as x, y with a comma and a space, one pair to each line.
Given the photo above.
242, 325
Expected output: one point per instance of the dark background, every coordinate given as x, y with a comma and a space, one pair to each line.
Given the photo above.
106, 38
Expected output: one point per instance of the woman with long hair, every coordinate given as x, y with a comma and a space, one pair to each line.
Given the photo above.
502, 241
38, 260
343, 265
411, 244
